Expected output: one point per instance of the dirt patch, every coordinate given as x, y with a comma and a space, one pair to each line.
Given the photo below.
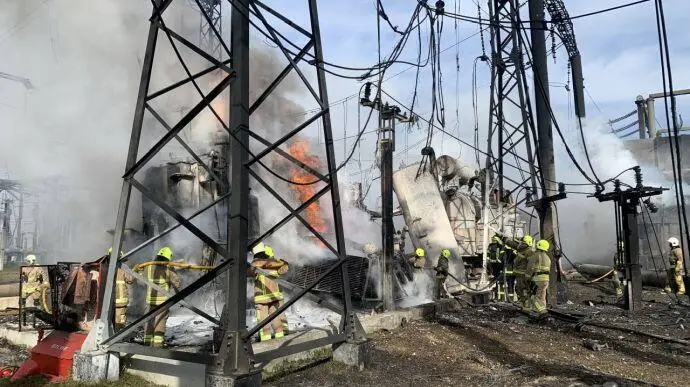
499, 346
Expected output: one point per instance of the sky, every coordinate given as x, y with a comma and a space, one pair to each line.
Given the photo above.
84, 64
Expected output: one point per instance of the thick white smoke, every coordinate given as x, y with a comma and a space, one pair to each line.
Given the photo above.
587, 226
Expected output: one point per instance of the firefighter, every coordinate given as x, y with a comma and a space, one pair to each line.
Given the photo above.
538, 269
33, 282
522, 256
418, 260
675, 273
165, 277
615, 280
267, 295
122, 281
442, 273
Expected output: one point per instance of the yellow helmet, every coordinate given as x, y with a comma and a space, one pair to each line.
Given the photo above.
543, 245
445, 253
30, 259
269, 251
166, 252
419, 252
528, 240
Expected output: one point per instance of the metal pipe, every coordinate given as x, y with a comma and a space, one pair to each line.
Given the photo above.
9, 290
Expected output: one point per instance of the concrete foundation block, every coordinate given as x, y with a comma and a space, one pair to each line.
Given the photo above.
353, 354
95, 367
250, 380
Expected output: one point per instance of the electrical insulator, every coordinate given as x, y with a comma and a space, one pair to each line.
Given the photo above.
439, 7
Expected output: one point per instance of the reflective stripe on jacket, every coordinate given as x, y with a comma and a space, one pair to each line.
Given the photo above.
163, 277
539, 266
521, 260
266, 290
121, 292
676, 259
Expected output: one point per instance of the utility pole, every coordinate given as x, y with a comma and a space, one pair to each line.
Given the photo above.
627, 238
548, 225
388, 115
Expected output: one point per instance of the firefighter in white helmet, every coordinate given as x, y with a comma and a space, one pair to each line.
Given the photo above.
675, 273
34, 281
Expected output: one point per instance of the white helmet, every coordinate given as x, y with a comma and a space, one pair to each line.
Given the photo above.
674, 242
259, 248
30, 259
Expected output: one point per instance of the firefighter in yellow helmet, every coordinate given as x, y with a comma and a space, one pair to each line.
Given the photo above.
122, 281
34, 282
442, 266
165, 277
267, 295
538, 269
418, 260
675, 273
523, 252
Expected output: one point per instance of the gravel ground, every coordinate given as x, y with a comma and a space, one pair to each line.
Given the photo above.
499, 346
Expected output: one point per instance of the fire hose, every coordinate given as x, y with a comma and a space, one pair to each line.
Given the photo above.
44, 300
164, 291
467, 288
601, 278
174, 264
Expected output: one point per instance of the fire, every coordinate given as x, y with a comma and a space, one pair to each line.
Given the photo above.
219, 105
312, 214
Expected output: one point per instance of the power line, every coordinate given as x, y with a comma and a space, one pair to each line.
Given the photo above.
607, 9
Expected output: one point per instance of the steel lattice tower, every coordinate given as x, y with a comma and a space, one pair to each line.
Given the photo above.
235, 357
208, 40
511, 126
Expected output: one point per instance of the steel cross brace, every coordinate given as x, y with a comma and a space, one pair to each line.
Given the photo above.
160, 289
170, 229
177, 297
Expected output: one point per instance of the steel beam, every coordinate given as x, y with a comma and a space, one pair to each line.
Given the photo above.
181, 219
282, 351
295, 298
295, 212
95, 337
170, 229
193, 287
161, 120
164, 353
180, 125
183, 82
234, 353
160, 289
280, 78
291, 158
285, 138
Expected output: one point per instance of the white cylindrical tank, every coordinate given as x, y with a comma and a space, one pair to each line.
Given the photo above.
462, 217
449, 168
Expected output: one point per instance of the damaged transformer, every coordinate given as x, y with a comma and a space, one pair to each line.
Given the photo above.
441, 203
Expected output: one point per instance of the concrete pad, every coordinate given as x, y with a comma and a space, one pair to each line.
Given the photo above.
9, 303
95, 367
251, 380
24, 338
292, 362
176, 373
394, 319
168, 372
356, 355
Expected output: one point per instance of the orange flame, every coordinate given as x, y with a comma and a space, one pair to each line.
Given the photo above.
312, 214
219, 105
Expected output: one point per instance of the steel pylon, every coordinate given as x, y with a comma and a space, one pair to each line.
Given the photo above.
235, 355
